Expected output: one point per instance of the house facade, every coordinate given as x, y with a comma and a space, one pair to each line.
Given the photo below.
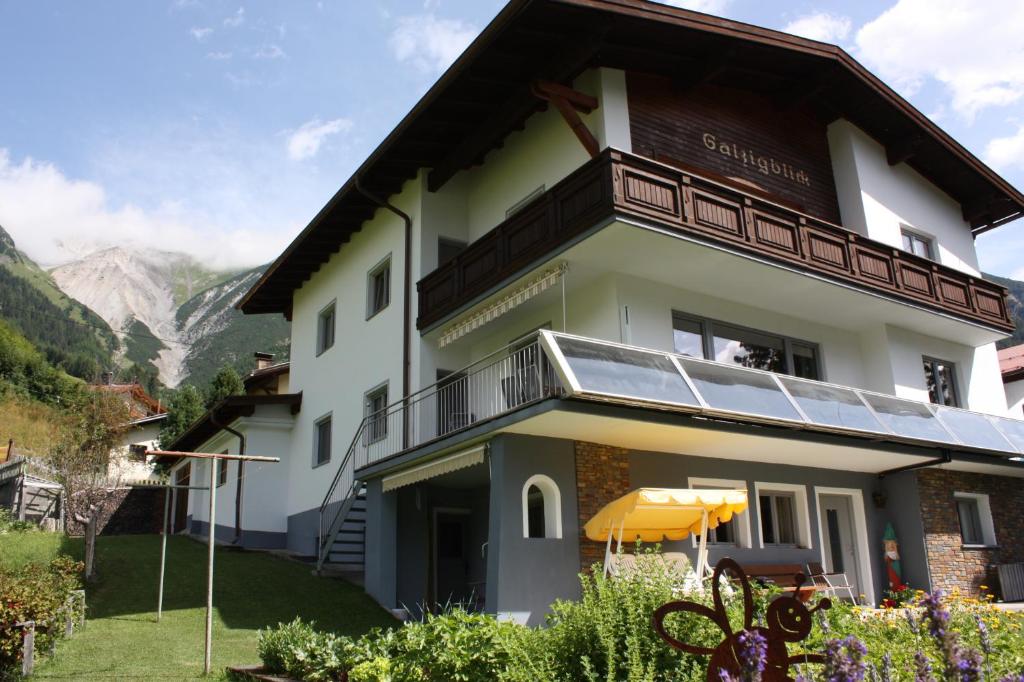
622, 245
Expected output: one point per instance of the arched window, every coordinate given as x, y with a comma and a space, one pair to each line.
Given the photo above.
542, 508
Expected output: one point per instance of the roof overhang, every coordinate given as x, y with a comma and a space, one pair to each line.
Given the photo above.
225, 412
486, 94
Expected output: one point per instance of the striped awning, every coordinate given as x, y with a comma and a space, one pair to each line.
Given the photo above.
438, 467
496, 309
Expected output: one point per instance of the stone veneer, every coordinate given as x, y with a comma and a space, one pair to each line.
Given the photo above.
602, 475
950, 565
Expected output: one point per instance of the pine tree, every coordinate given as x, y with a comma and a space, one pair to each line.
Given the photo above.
184, 407
225, 383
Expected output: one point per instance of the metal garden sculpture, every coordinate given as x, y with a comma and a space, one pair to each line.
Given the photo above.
788, 620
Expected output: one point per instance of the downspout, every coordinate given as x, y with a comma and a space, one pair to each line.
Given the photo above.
406, 300
946, 458
241, 468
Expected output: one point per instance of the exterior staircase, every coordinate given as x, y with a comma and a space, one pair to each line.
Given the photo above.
346, 552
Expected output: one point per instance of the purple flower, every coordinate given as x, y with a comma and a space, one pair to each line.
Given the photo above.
986, 641
844, 660
753, 654
912, 621
922, 668
961, 663
886, 675
724, 676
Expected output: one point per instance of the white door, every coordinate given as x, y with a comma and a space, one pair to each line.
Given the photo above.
840, 547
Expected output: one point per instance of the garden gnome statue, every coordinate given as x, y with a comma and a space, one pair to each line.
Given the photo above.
892, 559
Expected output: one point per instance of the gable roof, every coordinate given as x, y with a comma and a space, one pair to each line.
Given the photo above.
226, 411
486, 94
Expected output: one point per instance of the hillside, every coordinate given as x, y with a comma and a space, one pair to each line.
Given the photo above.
69, 334
1016, 308
218, 334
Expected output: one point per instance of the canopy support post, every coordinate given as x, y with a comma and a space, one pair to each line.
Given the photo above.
702, 551
608, 551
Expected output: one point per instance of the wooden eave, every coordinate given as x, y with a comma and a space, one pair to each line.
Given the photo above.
486, 94
226, 411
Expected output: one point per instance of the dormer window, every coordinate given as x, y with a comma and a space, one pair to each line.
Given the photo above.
918, 244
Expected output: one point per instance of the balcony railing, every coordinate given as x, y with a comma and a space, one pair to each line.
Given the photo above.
618, 184
499, 383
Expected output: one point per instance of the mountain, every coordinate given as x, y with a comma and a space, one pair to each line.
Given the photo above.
174, 315
218, 334
70, 335
1015, 306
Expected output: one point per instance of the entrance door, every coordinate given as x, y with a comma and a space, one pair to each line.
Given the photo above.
839, 541
181, 499
451, 557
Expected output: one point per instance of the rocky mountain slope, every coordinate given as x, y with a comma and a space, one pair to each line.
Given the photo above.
171, 312
69, 334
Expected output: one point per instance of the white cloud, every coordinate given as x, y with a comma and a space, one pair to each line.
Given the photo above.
218, 56
707, 6
1007, 152
974, 49
827, 28
269, 52
236, 19
200, 33
430, 44
306, 141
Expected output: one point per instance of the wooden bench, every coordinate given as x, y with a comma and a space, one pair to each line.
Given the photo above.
782, 575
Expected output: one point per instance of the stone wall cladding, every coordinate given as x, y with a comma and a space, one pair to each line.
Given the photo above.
602, 475
950, 565
123, 511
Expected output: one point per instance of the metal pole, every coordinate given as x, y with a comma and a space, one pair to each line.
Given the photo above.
163, 553
209, 564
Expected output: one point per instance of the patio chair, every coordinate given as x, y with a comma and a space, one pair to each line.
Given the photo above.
832, 584
621, 563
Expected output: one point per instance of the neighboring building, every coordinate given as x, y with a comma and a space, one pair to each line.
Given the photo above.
1011, 364
128, 461
620, 244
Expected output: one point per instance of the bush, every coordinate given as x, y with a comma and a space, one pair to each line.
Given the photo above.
36, 592
298, 650
9, 524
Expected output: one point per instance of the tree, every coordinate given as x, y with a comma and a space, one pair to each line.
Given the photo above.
92, 427
184, 407
225, 383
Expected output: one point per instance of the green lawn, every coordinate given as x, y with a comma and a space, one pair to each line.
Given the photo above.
18, 549
123, 641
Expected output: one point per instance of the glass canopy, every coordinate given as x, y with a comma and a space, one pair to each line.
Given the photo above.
593, 368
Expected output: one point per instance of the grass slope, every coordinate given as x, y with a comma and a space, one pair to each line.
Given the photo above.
251, 591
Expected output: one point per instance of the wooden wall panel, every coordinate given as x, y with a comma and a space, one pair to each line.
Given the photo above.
782, 151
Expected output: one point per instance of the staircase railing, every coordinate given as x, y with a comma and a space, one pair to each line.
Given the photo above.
498, 383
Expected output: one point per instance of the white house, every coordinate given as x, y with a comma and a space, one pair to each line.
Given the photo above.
620, 244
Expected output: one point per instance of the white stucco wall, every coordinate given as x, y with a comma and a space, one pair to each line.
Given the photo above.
122, 467
876, 199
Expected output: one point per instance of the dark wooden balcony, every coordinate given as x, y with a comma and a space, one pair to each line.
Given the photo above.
617, 184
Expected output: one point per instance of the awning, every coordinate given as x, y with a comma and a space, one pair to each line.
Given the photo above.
656, 514
496, 309
438, 467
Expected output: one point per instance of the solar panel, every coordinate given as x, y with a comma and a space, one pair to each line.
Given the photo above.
908, 418
1013, 429
625, 372
832, 405
739, 390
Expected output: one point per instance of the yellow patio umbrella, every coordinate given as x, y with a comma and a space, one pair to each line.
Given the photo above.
657, 514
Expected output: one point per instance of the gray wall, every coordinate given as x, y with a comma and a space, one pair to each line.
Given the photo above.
303, 529
525, 575
251, 539
380, 544
903, 509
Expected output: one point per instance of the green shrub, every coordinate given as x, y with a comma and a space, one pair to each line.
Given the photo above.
36, 592
298, 650
9, 524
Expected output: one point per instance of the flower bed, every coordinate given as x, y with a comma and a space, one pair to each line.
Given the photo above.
607, 635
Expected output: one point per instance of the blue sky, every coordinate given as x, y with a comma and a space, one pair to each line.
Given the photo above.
220, 128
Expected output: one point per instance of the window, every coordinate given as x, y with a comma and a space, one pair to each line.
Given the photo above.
940, 377
783, 515
374, 405
735, 532
732, 344
322, 441
917, 244
137, 452
524, 202
378, 288
975, 516
222, 470
447, 249
325, 329
542, 508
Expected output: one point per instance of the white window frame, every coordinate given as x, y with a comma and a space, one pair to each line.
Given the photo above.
923, 237
988, 529
552, 507
371, 276
316, 439
385, 388
803, 516
333, 307
741, 521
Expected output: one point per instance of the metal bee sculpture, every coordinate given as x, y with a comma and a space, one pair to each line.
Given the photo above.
788, 620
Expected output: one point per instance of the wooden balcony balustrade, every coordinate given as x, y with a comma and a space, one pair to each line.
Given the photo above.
617, 184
